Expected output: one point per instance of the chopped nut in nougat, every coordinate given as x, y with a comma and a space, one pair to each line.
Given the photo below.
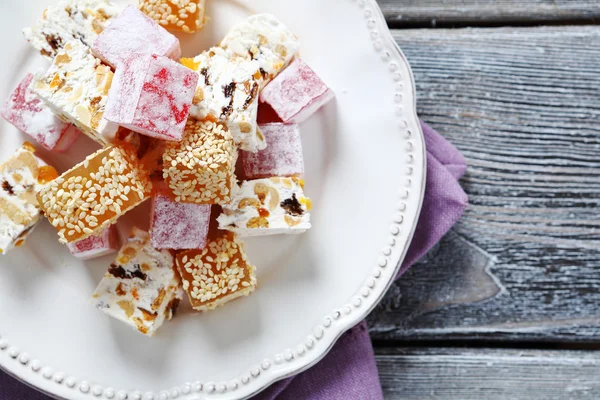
141, 288
266, 41
70, 21
267, 207
22, 175
218, 274
95, 246
30, 115
228, 92
178, 226
134, 32
75, 87
201, 168
95, 193
176, 15
282, 157
297, 93
152, 95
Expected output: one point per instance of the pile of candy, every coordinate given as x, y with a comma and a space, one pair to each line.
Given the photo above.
172, 130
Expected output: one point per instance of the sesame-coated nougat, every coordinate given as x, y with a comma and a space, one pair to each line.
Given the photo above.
201, 168
218, 274
95, 193
176, 15
141, 287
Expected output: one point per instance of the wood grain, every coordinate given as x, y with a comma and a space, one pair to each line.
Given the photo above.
476, 374
523, 105
432, 12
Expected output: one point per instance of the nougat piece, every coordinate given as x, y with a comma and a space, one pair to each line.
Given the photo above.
92, 195
228, 92
133, 32
141, 288
75, 88
178, 226
282, 157
267, 207
267, 41
31, 116
201, 168
218, 274
176, 15
70, 21
152, 95
95, 246
297, 93
22, 175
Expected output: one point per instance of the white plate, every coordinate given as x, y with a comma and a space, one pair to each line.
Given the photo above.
365, 171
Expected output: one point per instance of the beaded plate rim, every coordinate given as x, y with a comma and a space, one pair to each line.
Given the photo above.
323, 336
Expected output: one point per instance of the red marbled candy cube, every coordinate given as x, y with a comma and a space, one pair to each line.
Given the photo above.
282, 157
133, 32
152, 95
106, 242
178, 226
296, 93
30, 115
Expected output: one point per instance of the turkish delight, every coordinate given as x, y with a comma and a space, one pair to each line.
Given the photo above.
141, 288
152, 95
30, 115
178, 226
70, 21
75, 88
228, 92
133, 32
267, 207
176, 15
201, 168
95, 193
282, 157
95, 246
265, 40
218, 274
296, 93
22, 176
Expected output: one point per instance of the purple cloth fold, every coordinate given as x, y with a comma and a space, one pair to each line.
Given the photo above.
349, 370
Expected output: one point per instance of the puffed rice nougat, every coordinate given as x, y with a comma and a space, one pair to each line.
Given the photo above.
176, 15
141, 288
218, 274
95, 193
22, 175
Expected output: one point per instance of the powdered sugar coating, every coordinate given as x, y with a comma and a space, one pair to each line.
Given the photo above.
296, 93
106, 242
152, 95
282, 157
178, 226
133, 32
30, 115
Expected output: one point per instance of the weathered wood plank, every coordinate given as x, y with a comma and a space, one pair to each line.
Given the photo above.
409, 373
400, 12
524, 107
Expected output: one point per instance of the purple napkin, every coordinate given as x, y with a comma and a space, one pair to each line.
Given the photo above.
349, 370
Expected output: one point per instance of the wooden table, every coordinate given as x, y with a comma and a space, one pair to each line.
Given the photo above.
507, 306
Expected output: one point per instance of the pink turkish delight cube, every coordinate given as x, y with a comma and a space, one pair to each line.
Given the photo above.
282, 157
106, 242
30, 115
178, 226
296, 93
152, 95
133, 32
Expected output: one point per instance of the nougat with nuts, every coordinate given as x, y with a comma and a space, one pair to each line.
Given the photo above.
267, 207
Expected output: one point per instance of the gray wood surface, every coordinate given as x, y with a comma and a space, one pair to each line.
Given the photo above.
399, 12
523, 105
476, 374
